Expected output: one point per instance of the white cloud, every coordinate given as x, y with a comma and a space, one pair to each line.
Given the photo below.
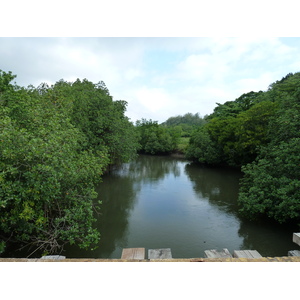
260, 83
203, 68
158, 77
154, 99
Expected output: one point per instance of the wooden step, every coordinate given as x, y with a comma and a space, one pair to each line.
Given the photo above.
159, 253
246, 254
217, 254
133, 253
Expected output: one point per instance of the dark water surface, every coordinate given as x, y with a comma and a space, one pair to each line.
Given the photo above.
165, 202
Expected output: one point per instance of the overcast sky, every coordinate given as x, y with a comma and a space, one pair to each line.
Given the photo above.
158, 77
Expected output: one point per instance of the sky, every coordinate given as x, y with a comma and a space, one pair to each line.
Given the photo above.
165, 58
158, 77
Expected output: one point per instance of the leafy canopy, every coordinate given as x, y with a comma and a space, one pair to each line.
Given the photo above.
55, 144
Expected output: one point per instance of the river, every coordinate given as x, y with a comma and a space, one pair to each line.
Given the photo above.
166, 202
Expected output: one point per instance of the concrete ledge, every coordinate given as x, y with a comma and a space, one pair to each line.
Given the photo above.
157, 254
296, 238
262, 259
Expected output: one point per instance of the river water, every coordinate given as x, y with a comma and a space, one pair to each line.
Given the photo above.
166, 202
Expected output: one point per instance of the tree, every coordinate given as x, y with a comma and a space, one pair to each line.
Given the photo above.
5, 81
233, 108
252, 130
51, 159
100, 119
187, 122
47, 182
202, 149
271, 185
259, 132
236, 130
156, 139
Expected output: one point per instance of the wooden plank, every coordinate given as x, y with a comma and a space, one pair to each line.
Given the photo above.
296, 238
217, 254
246, 254
159, 253
133, 253
294, 253
57, 257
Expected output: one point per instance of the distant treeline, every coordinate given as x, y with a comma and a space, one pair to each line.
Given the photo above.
170, 136
187, 123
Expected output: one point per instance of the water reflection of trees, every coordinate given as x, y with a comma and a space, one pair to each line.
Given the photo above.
219, 185
151, 168
118, 193
118, 196
267, 237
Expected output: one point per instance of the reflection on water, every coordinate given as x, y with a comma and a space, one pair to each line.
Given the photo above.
118, 195
267, 238
218, 185
151, 169
163, 202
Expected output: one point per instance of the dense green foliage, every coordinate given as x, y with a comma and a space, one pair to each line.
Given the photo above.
259, 132
271, 184
234, 131
101, 120
187, 123
55, 143
156, 139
